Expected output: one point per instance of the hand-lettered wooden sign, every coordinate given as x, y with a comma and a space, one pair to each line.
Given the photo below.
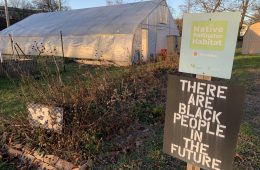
202, 121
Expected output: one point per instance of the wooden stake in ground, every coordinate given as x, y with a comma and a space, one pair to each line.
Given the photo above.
62, 48
201, 77
192, 167
12, 44
7, 15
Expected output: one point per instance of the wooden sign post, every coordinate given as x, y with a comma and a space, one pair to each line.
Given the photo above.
192, 167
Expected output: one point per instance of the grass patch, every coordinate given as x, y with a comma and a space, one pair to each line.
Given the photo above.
10, 101
149, 155
246, 72
248, 149
12, 90
6, 165
246, 62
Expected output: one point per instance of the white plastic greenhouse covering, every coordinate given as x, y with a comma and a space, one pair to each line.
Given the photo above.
101, 33
251, 40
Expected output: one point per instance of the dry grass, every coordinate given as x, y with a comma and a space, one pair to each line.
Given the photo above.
96, 110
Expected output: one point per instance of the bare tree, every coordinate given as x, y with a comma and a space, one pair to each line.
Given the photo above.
256, 15
216, 5
172, 10
7, 14
118, 1
109, 2
179, 24
186, 6
209, 5
246, 7
24, 4
51, 5
114, 2
14, 3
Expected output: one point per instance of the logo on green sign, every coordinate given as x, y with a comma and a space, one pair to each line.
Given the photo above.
208, 35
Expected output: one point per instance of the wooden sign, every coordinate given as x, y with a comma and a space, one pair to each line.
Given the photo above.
202, 121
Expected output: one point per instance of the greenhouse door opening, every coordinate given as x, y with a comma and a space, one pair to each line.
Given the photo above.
145, 44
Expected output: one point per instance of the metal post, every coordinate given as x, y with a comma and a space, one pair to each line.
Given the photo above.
1, 58
12, 44
62, 48
7, 14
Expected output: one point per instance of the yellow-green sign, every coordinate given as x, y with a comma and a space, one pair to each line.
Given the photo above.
208, 35
208, 43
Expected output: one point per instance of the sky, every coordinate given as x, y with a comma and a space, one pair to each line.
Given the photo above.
77, 4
